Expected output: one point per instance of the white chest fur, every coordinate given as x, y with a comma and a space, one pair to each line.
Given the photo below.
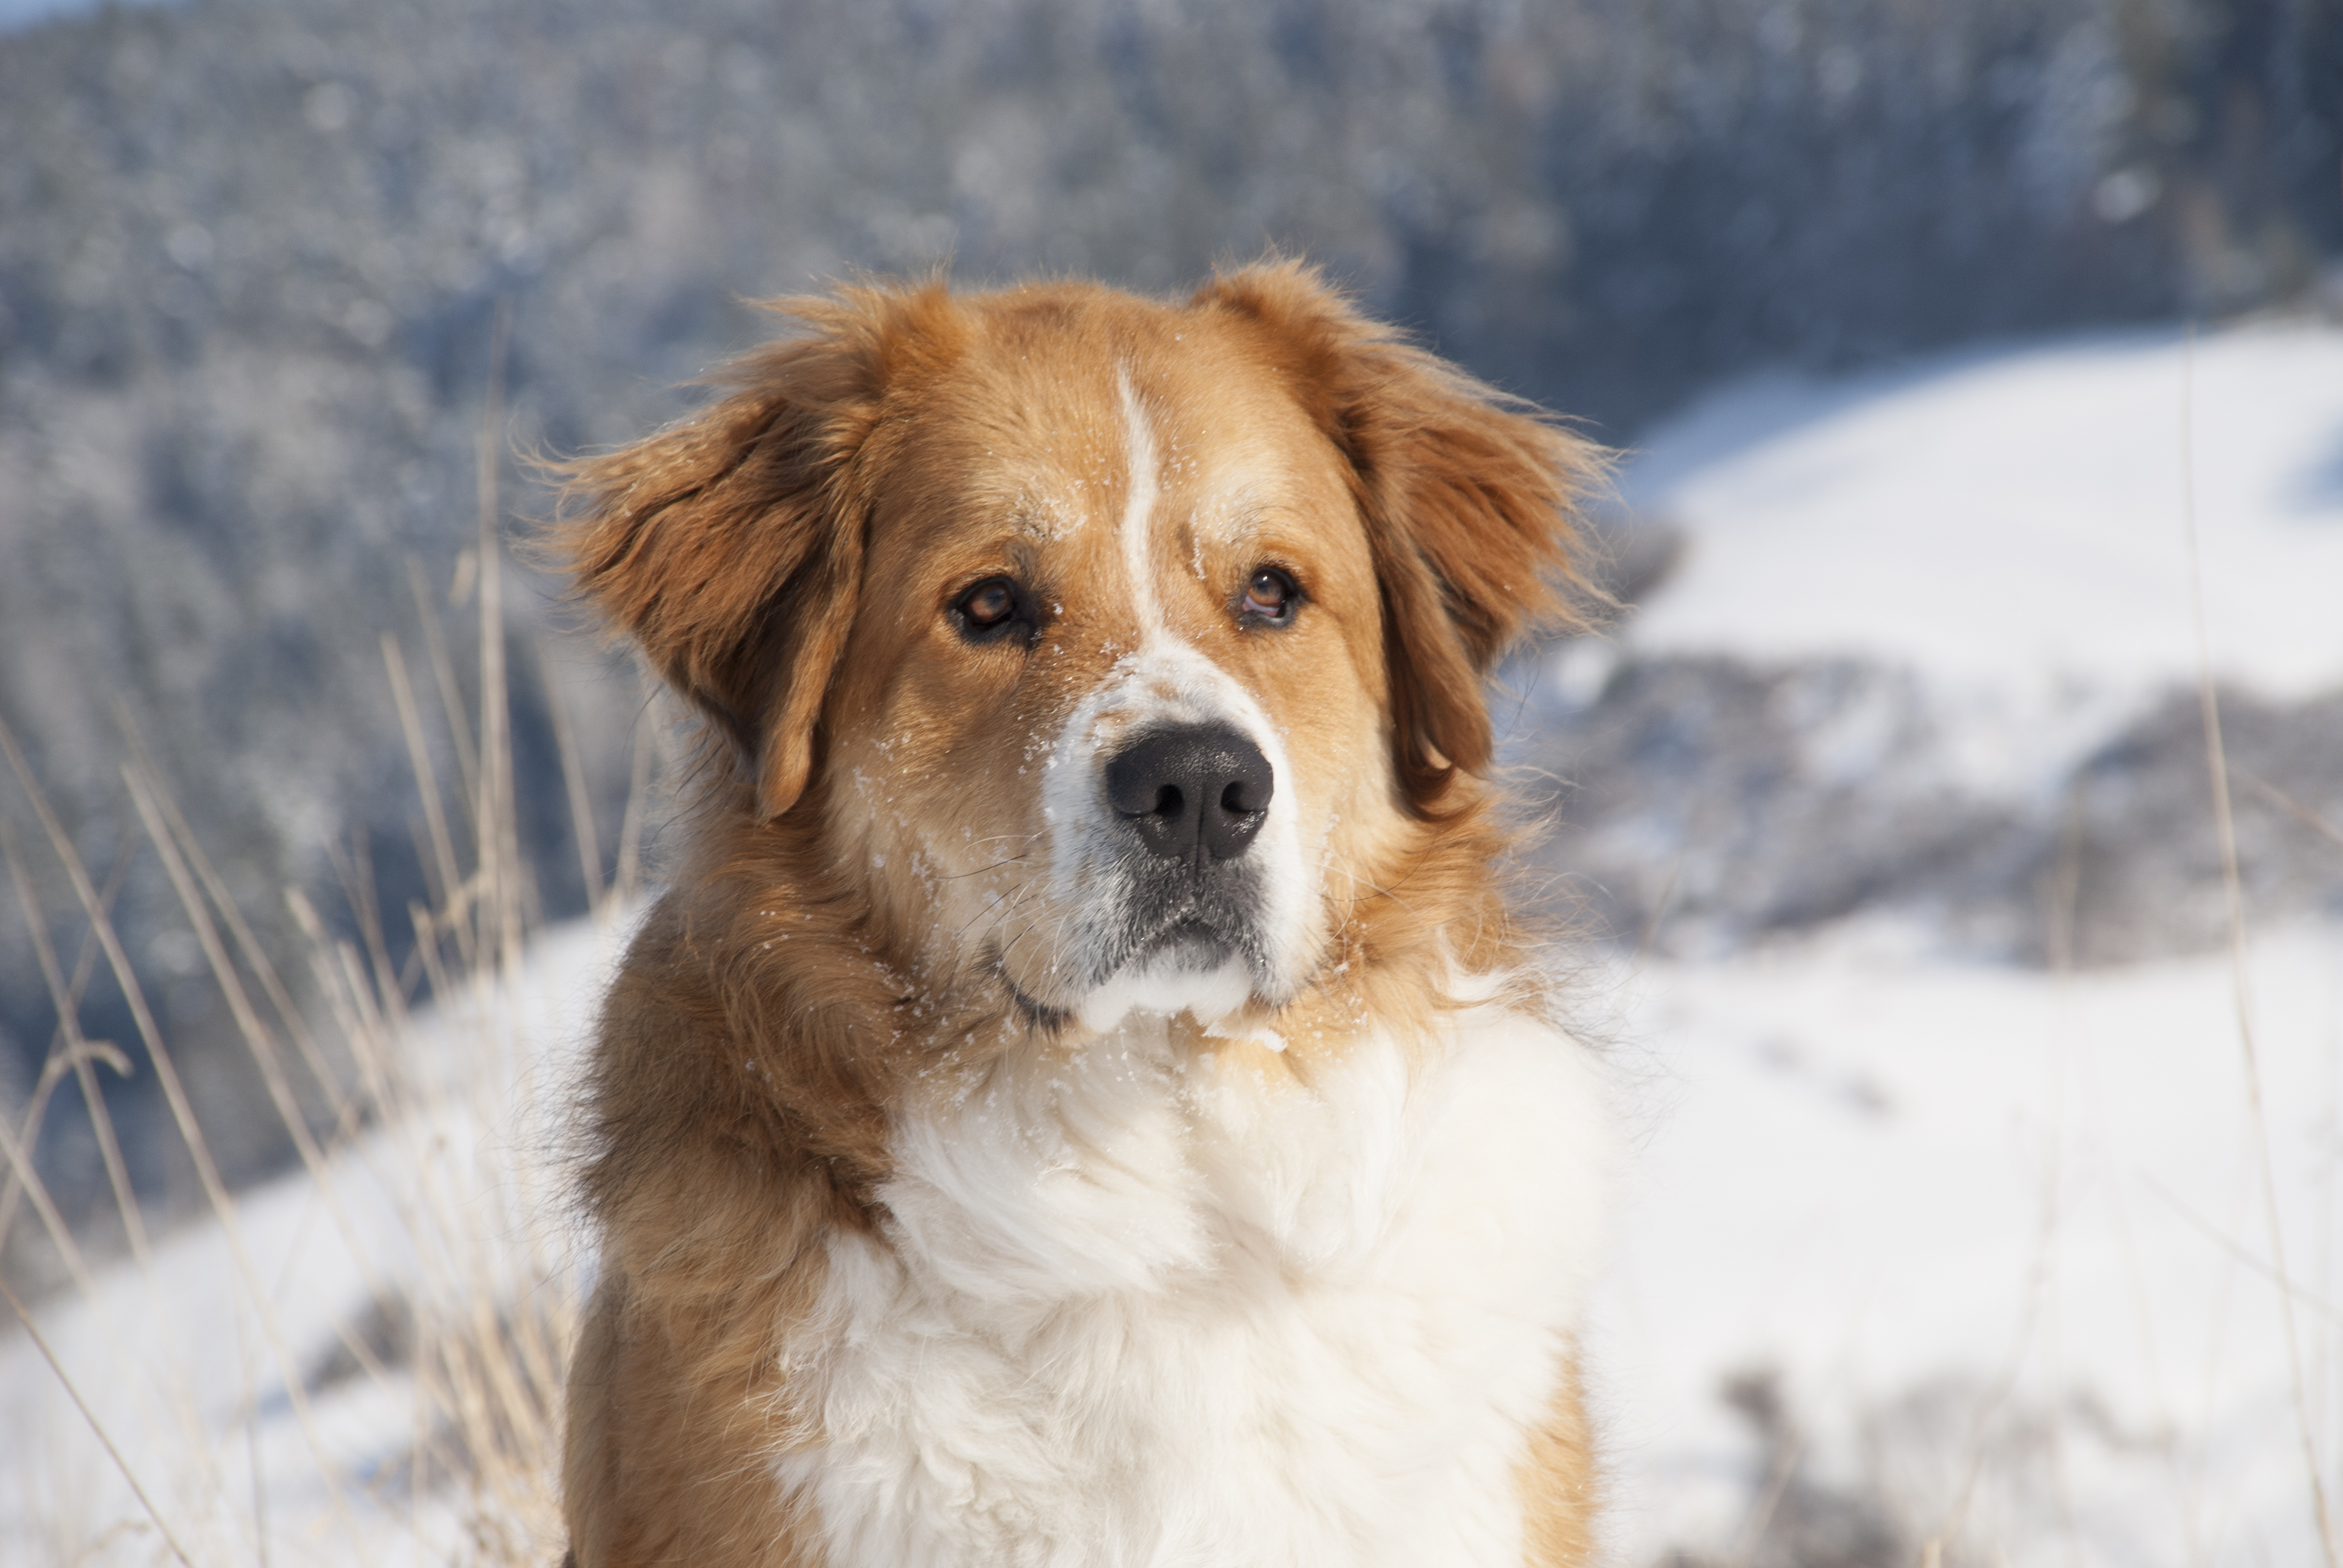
1146, 1309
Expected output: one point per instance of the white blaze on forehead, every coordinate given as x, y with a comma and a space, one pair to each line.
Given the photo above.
1161, 680
1140, 493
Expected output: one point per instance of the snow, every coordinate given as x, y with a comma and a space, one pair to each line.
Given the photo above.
2017, 519
191, 1366
2032, 1198
1872, 1169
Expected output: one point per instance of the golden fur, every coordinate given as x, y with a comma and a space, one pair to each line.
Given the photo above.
784, 559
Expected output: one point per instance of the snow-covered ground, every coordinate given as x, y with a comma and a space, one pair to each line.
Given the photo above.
2016, 524
1998, 1234
2032, 1198
2019, 517
221, 1376
1995, 1230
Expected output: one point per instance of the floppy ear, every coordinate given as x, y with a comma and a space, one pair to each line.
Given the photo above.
729, 547
1466, 495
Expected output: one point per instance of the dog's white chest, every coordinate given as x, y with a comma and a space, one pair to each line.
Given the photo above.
1137, 1310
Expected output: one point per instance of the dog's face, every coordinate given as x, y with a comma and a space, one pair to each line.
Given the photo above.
1111, 710
1116, 649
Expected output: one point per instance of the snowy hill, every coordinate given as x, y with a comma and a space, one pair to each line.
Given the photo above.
1924, 1245
1929, 652
2017, 518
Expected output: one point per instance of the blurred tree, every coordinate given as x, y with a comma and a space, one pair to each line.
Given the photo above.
250, 251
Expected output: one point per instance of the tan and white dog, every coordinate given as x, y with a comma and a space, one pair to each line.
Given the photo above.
1083, 1100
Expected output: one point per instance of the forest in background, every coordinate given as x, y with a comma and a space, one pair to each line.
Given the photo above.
255, 254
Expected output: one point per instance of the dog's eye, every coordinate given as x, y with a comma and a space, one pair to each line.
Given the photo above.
987, 608
1269, 597
990, 603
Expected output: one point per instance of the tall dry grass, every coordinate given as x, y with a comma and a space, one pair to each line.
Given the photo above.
397, 1313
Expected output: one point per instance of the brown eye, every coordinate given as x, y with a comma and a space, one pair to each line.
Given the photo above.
987, 608
1270, 596
989, 603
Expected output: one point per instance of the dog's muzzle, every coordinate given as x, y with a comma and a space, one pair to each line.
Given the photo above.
1191, 798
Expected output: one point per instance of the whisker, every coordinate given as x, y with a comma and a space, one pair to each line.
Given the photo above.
1059, 931
999, 904
958, 876
997, 837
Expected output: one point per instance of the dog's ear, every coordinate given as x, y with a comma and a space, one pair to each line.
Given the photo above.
729, 547
1466, 495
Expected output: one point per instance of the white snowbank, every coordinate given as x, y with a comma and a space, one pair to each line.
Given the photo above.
2028, 1203
189, 1367
2014, 518
1876, 1172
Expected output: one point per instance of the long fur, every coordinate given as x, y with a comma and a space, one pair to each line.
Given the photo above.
921, 1244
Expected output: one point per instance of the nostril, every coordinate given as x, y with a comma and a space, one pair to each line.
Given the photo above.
1193, 790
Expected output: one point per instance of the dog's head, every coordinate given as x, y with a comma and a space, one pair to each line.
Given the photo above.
1117, 647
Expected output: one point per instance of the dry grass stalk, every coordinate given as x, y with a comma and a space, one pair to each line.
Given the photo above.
32, 1329
431, 1132
2232, 886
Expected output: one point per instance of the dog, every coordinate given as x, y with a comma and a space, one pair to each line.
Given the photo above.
1083, 1098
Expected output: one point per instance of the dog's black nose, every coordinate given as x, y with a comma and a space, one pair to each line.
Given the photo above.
1194, 791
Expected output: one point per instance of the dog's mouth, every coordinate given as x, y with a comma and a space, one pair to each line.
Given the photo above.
1038, 1015
1189, 936
1193, 935
1188, 959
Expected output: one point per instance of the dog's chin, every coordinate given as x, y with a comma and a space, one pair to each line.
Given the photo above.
1197, 975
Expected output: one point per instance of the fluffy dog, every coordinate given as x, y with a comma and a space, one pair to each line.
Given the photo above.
1083, 1100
